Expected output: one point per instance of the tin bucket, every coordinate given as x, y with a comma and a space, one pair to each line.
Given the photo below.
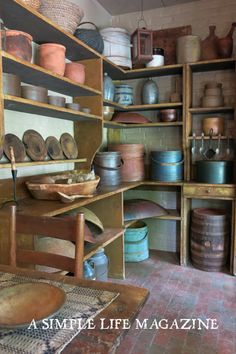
107, 165
136, 242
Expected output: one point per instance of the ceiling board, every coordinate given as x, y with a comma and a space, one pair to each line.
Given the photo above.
118, 7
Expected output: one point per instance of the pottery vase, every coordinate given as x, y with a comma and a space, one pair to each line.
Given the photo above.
52, 57
108, 88
19, 44
225, 45
150, 92
75, 72
209, 45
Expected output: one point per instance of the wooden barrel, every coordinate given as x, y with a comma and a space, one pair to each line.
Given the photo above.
133, 161
210, 235
136, 242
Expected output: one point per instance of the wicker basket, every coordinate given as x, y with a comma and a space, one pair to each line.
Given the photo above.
64, 13
35, 4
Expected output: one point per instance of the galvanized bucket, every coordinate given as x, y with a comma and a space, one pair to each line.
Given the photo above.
166, 166
136, 242
218, 172
107, 165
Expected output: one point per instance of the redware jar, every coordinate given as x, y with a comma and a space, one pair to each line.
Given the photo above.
19, 44
52, 57
75, 72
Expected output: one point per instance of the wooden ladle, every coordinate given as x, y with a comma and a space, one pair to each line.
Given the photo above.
65, 198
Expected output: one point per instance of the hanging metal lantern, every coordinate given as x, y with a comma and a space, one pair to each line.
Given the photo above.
142, 42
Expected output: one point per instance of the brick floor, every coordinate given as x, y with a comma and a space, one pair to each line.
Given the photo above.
176, 293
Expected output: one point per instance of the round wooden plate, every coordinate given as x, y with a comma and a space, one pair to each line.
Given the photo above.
54, 148
18, 147
21, 303
69, 146
35, 145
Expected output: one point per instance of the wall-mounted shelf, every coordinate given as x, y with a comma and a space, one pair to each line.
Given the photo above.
201, 110
142, 107
115, 125
37, 163
36, 75
173, 215
213, 65
206, 137
43, 109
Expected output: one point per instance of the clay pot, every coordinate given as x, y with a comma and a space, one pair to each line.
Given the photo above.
225, 45
19, 44
35, 93
209, 45
11, 85
52, 57
57, 101
168, 115
75, 72
188, 49
214, 123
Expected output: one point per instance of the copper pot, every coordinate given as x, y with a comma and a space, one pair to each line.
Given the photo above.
168, 115
214, 123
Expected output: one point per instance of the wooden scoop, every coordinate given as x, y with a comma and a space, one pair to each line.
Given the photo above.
71, 198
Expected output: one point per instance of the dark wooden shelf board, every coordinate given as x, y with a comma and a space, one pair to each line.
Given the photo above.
42, 29
33, 107
213, 65
203, 110
115, 125
118, 73
37, 163
142, 107
108, 236
35, 75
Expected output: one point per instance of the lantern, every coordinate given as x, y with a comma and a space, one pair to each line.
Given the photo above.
141, 46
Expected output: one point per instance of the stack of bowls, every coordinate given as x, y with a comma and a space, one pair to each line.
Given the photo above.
213, 95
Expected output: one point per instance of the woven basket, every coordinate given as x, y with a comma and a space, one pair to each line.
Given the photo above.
35, 4
91, 37
64, 13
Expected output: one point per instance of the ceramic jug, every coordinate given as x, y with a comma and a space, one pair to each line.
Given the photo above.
209, 45
225, 44
108, 88
150, 92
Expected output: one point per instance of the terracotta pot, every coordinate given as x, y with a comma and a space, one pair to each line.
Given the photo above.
19, 44
52, 57
75, 72
214, 123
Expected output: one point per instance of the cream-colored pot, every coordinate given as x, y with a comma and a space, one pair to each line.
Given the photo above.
188, 49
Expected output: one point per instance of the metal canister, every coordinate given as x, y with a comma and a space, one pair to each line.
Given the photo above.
107, 165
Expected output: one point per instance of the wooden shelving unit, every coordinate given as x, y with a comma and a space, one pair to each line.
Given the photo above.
38, 163
142, 107
115, 125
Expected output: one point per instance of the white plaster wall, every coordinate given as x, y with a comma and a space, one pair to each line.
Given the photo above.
16, 123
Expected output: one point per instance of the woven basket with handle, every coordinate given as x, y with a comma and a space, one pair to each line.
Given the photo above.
35, 4
91, 37
64, 13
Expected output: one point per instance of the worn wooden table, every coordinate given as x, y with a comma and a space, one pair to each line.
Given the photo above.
126, 306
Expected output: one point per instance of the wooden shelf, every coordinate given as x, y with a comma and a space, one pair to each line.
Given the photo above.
108, 236
215, 137
200, 110
172, 215
115, 125
17, 15
35, 75
142, 107
43, 109
213, 65
118, 73
37, 163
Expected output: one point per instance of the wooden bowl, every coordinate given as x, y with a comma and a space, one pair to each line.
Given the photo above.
168, 115
214, 123
49, 191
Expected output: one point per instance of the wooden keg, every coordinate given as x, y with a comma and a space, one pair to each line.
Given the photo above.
210, 235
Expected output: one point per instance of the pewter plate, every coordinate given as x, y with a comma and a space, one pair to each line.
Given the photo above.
21, 303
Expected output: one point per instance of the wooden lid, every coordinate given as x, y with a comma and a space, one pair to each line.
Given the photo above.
69, 146
54, 148
35, 145
18, 147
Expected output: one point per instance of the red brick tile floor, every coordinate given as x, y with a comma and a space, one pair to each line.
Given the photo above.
176, 293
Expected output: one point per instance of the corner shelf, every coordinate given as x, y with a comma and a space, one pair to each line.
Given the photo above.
142, 107
201, 110
36, 75
173, 215
213, 65
37, 163
28, 106
115, 125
